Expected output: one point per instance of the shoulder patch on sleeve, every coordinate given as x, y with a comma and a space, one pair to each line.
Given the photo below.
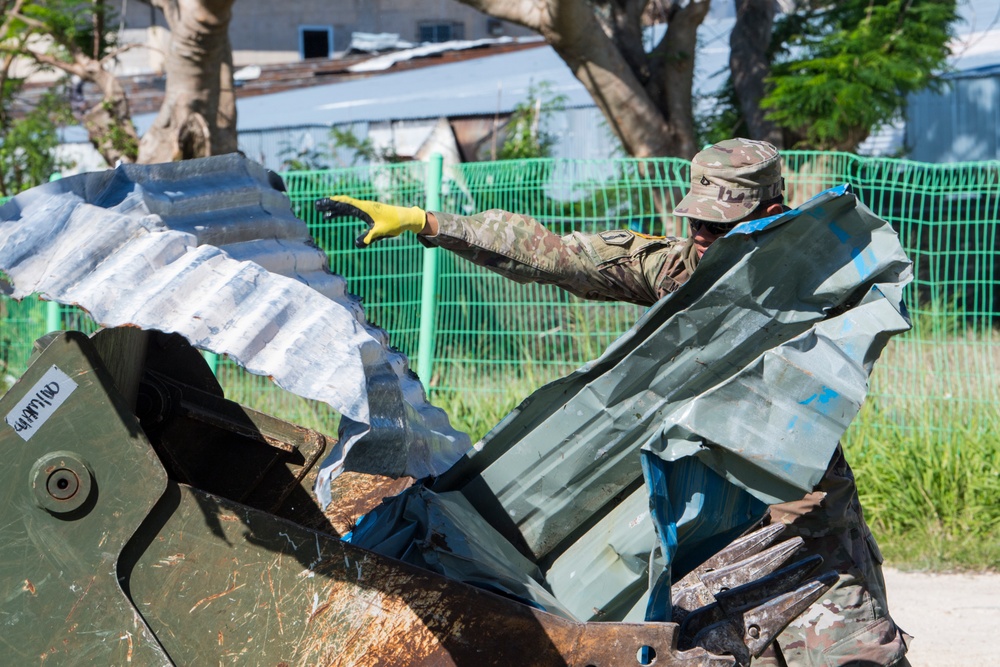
617, 237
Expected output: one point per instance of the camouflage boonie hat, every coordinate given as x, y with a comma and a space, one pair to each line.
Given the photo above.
730, 179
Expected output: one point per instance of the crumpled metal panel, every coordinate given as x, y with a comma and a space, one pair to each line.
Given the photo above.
210, 249
755, 367
742, 382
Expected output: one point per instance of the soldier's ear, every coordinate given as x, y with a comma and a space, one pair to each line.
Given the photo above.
775, 209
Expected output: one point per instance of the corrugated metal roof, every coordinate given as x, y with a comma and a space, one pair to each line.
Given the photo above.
477, 86
976, 72
210, 249
977, 35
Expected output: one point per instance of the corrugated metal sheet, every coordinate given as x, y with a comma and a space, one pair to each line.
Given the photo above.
410, 52
210, 249
735, 390
747, 337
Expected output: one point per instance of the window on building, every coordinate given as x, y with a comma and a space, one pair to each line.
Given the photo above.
494, 27
315, 41
440, 31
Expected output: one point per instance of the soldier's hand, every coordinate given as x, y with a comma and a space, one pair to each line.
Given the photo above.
383, 220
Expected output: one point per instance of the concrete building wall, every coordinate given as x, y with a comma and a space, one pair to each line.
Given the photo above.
272, 29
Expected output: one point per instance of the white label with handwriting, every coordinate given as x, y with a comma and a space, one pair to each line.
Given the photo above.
40, 403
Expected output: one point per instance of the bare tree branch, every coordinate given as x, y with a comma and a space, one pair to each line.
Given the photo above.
114, 53
170, 8
531, 14
77, 68
198, 116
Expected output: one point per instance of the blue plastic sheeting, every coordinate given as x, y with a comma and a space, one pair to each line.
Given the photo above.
442, 532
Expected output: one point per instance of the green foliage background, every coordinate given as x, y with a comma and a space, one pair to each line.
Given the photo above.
27, 145
841, 70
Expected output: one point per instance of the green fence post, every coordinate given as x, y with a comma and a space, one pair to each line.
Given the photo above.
213, 361
428, 290
53, 316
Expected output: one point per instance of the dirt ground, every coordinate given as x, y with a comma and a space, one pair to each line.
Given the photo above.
954, 618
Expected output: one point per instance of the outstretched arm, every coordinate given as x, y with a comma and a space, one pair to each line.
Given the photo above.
611, 266
522, 249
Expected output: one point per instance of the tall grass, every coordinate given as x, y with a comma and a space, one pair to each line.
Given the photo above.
260, 393
931, 490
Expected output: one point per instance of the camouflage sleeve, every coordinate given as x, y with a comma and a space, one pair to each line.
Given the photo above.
615, 265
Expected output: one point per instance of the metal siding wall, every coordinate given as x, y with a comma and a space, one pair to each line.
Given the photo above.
960, 124
584, 135
274, 147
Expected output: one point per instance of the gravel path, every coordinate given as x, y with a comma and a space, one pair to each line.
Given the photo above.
954, 618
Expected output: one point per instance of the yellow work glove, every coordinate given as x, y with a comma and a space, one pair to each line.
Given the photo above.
383, 220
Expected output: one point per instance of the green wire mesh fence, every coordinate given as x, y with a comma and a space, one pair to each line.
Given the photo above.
492, 336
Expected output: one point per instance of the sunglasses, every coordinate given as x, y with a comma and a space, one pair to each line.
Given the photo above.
714, 228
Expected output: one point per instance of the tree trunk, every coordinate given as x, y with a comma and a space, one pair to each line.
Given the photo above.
645, 98
749, 65
109, 122
673, 74
198, 116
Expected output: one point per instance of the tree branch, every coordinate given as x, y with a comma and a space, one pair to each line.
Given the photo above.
34, 23
9, 16
9, 56
601, 42
682, 20
75, 67
749, 65
169, 8
531, 14
121, 49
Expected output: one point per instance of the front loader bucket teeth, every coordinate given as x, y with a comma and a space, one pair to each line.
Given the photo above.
744, 620
742, 547
700, 590
746, 635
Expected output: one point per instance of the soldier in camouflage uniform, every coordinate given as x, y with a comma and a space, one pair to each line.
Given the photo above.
731, 182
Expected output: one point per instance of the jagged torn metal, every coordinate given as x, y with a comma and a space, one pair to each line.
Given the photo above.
210, 249
753, 369
734, 390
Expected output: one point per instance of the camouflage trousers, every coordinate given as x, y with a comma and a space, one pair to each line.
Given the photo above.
850, 625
